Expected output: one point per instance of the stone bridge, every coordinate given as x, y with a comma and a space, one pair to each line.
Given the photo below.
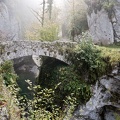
15, 49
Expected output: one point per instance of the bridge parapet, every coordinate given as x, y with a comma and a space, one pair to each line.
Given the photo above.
15, 49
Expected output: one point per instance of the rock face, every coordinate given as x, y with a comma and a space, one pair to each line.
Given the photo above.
9, 25
116, 21
4, 21
105, 100
26, 69
100, 27
27, 64
104, 21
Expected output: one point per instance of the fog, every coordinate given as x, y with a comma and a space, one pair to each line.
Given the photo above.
36, 3
22, 12
24, 8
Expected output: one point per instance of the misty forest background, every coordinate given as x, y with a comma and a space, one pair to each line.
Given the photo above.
59, 89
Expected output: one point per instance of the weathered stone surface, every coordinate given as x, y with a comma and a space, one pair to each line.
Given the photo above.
100, 27
109, 115
29, 64
116, 21
9, 25
104, 21
105, 100
37, 60
4, 113
4, 21
26, 69
15, 49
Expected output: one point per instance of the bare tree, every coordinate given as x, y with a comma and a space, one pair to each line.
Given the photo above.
40, 16
47, 7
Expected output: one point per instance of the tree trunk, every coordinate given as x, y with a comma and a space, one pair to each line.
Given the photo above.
43, 13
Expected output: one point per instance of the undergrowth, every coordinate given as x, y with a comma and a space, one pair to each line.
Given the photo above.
61, 90
110, 52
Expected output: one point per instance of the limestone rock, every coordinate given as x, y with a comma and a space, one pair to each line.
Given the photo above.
4, 113
104, 25
9, 25
4, 21
26, 65
116, 23
100, 27
26, 69
104, 102
37, 60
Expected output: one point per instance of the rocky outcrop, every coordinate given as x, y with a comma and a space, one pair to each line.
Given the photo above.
116, 21
9, 25
105, 100
104, 21
100, 27
26, 69
4, 21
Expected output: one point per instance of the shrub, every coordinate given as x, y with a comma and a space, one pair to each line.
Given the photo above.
41, 106
8, 90
7, 72
65, 81
48, 32
87, 60
68, 82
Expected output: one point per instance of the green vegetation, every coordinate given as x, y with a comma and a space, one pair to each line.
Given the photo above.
7, 73
117, 116
99, 4
61, 88
8, 90
48, 32
87, 60
41, 107
108, 5
53, 99
66, 82
111, 52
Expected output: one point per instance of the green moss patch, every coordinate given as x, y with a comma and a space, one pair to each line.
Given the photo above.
112, 52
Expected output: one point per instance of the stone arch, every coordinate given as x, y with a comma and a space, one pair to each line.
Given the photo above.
15, 49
